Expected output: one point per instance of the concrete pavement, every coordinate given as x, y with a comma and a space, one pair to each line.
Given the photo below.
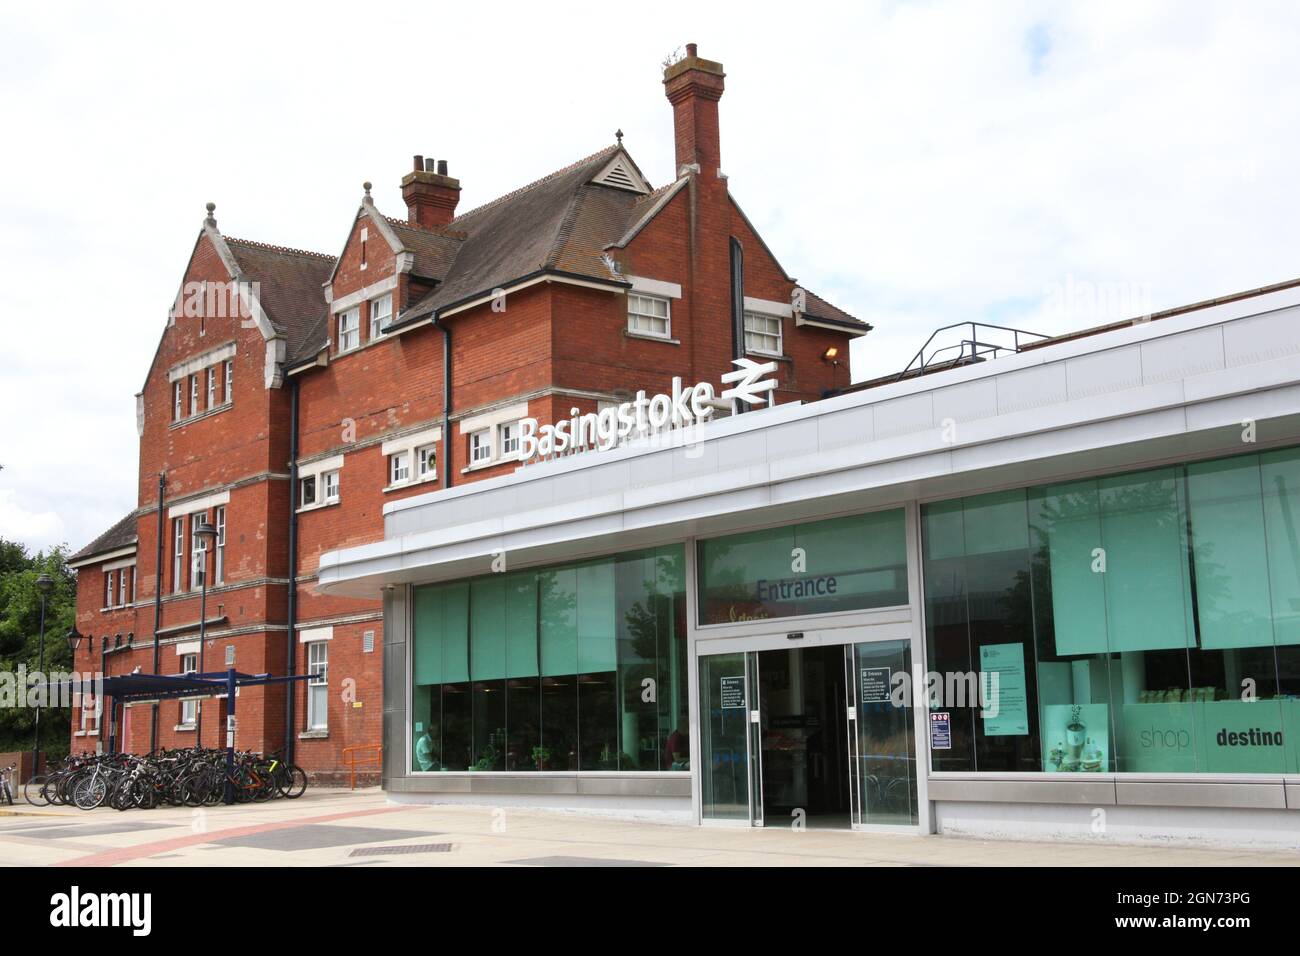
341, 828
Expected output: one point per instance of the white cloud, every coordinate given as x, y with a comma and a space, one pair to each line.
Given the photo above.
918, 164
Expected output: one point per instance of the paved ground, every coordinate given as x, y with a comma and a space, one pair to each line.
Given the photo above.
340, 828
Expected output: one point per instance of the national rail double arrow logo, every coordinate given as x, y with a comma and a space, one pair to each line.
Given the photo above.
749, 388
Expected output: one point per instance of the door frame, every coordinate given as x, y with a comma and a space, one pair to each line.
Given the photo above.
904, 622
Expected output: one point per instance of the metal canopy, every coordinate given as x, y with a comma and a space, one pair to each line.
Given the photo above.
135, 688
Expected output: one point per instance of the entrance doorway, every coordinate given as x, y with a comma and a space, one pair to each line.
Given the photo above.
804, 736
811, 736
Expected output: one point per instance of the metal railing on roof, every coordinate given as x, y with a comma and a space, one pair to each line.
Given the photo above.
978, 346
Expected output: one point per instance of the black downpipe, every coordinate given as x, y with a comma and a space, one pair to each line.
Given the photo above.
446, 401
157, 603
291, 649
737, 305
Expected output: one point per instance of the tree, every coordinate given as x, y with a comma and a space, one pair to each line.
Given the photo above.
20, 626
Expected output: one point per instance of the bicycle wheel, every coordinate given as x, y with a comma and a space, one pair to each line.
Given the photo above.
295, 784
194, 789
34, 791
89, 792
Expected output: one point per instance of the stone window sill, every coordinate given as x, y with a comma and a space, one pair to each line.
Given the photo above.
314, 735
647, 337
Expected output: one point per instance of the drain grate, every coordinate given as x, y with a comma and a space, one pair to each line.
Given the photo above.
412, 848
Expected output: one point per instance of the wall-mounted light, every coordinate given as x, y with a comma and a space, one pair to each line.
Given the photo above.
831, 354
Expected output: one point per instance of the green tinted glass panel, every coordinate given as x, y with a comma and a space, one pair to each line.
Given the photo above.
1066, 523
521, 624
427, 646
595, 618
559, 621
1231, 560
995, 523
487, 602
1280, 480
849, 563
1144, 533
454, 599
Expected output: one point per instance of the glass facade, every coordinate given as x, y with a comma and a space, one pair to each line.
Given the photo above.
579, 666
841, 564
1142, 622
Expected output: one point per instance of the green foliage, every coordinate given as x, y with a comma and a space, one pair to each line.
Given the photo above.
20, 628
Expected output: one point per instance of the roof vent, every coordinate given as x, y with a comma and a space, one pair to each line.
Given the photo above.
621, 175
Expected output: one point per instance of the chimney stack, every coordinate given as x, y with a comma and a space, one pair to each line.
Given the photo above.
694, 86
430, 196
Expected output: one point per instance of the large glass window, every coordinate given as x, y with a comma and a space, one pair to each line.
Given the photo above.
1143, 622
841, 564
575, 667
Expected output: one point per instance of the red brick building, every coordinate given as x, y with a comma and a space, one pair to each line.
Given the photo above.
293, 394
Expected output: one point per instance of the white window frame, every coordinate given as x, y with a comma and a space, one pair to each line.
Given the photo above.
219, 561
318, 669
426, 463
480, 447
194, 395
108, 589
178, 554
121, 587
190, 705
230, 380
90, 715
399, 467
508, 432
764, 333
212, 387
198, 552
641, 310
380, 320
329, 487
179, 410
309, 481
349, 330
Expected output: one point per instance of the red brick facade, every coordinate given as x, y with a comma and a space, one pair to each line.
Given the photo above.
553, 344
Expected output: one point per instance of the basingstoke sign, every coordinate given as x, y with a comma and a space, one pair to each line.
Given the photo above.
645, 415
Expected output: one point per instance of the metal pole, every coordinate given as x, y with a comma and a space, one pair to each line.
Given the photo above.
230, 734
40, 666
203, 630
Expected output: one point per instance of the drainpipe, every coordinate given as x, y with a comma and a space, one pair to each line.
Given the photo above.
291, 649
446, 401
157, 602
737, 307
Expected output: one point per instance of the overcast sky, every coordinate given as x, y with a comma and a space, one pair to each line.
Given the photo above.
918, 164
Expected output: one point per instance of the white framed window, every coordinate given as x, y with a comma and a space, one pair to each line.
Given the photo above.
90, 710
178, 411
318, 685
219, 564
108, 589
399, 468
763, 333
121, 586
480, 446
189, 708
649, 315
509, 437
307, 497
329, 487
178, 555
349, 329
194, 395
230, 379
212, 387
199, 549
426, 463
381, 313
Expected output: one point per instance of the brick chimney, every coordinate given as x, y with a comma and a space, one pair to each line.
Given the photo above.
431, 195
694, 86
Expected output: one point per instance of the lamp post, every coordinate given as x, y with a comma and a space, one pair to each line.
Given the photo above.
205, 533
44, 584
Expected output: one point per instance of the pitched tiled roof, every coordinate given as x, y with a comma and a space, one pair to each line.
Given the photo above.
434, 249
121, 535
290, 286
818, 308
561, 222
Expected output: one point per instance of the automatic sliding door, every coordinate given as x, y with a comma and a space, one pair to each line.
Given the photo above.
885, 745
725, 775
